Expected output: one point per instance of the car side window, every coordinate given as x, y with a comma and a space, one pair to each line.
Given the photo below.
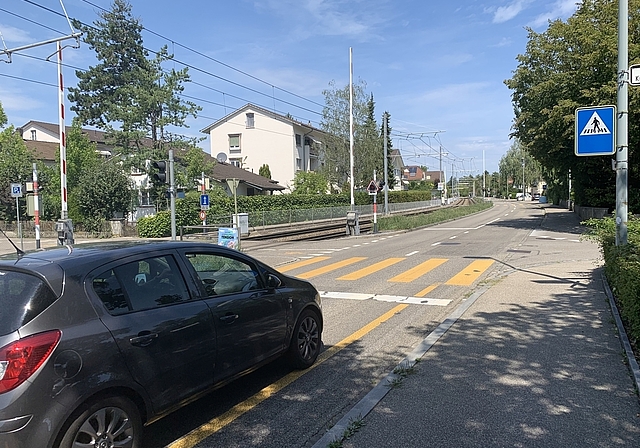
139, 285
220, 274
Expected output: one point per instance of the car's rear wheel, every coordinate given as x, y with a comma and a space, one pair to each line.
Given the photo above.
107, 423
306, 340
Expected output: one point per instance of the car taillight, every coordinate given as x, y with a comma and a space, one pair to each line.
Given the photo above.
20, 359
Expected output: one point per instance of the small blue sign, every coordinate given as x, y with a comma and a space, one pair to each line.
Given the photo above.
595, 131
16, 190
204, 200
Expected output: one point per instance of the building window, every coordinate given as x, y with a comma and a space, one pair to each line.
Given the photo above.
250, 121
33, 134
236, 162
234, 142
298, 140
144, 198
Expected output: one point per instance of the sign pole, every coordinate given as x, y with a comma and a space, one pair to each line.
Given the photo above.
19, 223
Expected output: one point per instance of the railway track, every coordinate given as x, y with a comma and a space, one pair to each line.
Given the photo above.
329, 229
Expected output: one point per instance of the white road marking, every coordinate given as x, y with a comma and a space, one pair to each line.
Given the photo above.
412, 253
385, 298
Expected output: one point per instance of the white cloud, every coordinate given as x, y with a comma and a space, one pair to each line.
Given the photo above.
560, 9
13, 102
14, 35
330, 17
508, 12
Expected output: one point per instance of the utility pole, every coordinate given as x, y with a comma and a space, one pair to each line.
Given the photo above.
622, 143
172, 193
523, 178
386, 168
351, 125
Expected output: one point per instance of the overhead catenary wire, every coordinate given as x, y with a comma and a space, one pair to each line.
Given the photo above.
420, 136
192, 67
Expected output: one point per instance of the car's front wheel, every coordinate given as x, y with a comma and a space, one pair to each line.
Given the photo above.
306, 340
107, 423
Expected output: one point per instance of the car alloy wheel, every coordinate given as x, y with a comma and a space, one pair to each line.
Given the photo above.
113, 422
305, 343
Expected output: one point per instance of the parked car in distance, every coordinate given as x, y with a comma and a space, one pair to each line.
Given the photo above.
97, 340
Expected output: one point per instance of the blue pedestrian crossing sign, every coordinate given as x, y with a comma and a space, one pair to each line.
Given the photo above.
595, 131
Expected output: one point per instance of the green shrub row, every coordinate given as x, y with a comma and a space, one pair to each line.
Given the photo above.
622, 270
221, 207
423, 219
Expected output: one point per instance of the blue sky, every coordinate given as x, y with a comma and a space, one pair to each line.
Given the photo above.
436, 66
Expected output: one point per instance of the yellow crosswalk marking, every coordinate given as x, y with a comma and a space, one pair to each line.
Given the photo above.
301, 264
427, 290
470, 274
418, 271
331, 267
371, 269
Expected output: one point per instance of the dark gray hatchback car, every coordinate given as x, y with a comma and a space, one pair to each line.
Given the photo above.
98, 340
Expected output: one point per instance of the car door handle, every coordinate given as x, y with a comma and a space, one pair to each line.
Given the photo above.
144, 339
228, 318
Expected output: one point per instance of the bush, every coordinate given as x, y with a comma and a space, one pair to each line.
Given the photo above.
622, 270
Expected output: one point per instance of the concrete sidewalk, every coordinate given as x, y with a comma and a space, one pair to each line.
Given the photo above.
532, 359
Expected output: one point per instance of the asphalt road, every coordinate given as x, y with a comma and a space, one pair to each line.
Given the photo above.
382, 295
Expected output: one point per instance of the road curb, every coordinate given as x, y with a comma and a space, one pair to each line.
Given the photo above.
380, 390
624, 340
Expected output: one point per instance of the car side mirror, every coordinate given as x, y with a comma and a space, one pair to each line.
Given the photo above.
273, 282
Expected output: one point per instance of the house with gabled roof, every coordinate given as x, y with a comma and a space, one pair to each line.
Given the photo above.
44, 141
252, 136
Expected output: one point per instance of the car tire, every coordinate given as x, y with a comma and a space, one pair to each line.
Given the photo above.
114, 420
306, 340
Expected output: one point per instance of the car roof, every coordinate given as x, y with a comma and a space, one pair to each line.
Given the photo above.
89, 255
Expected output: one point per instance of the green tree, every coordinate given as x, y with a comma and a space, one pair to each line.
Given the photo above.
127, 94
264, 171
335, 122
307, 182
191, 164
104, 192
574, 64
511, 166
370, 148
391, 179
16, 162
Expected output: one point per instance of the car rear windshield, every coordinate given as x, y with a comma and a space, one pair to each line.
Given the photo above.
22, 297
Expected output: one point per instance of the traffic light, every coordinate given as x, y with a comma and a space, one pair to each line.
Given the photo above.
160, 177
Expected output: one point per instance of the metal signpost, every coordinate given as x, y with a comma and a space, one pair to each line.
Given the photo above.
16, 192
373, 191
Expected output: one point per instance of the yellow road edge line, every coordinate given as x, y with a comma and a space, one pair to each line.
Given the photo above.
418, 271
331, 267
427, 290
300, 264
470, 274
371, 269
203, 431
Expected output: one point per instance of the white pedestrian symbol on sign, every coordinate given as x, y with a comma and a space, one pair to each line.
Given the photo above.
595, 126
